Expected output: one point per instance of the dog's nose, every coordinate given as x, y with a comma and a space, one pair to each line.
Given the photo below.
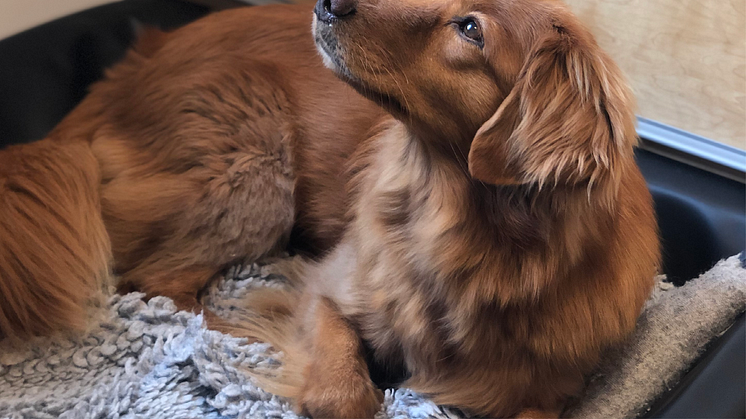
342, 8
327, 10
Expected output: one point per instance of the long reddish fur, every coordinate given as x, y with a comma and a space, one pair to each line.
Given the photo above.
489, 229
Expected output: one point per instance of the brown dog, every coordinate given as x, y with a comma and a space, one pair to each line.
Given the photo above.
209, 144
499, 234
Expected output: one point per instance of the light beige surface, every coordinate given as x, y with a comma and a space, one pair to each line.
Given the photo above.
19, 15
686, 59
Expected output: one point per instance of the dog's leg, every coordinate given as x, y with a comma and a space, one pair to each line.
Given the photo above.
324, 370
181, 285
337, 381
174, 232
184, 287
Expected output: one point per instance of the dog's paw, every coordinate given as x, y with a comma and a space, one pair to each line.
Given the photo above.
358, 398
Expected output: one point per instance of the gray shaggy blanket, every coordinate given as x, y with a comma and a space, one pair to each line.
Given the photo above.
146, 360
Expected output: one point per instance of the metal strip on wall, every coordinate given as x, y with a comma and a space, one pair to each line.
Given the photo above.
692, 149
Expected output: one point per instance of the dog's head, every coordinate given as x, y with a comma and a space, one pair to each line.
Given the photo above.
521, 82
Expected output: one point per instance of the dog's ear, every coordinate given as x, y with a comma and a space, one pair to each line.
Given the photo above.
568, 119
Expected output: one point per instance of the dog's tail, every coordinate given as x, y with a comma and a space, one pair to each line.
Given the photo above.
54, 250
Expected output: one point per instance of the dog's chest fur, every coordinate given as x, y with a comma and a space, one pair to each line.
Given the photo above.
447, 267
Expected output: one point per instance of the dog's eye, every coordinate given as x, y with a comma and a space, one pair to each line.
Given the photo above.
471, 30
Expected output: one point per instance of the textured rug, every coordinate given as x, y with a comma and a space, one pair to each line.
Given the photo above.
145, 360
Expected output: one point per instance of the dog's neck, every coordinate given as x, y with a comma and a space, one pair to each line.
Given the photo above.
446, 143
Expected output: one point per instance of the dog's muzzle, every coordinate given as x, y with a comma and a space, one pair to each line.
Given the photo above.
324, 24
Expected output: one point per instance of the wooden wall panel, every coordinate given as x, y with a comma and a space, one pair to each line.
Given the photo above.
686, 59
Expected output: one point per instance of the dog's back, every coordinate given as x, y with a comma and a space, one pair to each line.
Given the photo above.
203, 147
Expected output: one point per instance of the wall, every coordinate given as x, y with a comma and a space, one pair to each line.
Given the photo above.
686, 59
18, 15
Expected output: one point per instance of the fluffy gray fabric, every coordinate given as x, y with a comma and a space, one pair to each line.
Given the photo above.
145, 360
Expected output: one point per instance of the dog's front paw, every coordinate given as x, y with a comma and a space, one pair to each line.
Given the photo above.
356, 398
